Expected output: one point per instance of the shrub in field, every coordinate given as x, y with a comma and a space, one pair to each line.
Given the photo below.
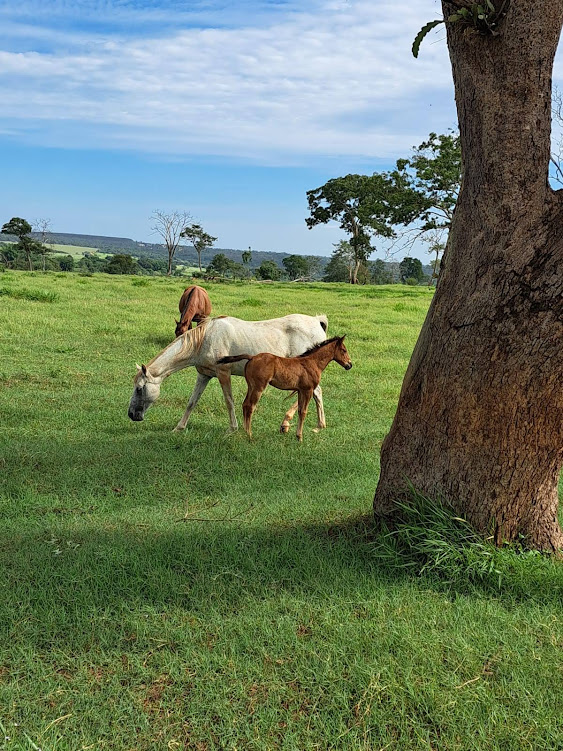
27, 294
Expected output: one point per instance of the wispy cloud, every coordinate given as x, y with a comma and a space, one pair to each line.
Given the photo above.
336, 79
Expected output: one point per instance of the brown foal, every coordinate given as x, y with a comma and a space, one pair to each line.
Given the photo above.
298, 374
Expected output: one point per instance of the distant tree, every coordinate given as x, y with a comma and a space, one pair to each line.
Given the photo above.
238, 270
296, 266
341, 265
43, 228
198, 238
219, 265
268, 270
170, 227
153, 265
336, 270
92, 263
9, 253
380, 274
247, 256
66, 263
364, 206
121, 264
315, 266
411, 268
21, 229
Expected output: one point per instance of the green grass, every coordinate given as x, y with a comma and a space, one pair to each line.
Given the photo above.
76, 251
29, 294
200, 591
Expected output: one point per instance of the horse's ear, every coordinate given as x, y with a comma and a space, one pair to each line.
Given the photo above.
138, 367
144, 369
176, 322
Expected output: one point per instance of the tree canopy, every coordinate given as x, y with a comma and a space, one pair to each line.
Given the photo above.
198, 238
296, 266
364, 206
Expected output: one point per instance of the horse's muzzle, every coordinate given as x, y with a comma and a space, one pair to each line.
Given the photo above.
135, 416
348, 367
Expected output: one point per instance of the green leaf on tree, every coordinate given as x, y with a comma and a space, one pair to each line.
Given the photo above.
422, 33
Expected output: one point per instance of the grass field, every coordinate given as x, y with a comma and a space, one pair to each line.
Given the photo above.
76, 251
200, 591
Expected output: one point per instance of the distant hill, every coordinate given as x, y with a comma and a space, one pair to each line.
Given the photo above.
185, 254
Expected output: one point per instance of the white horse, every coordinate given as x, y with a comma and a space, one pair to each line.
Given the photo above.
223, 337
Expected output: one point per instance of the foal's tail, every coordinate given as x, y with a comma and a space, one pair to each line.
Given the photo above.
235, 358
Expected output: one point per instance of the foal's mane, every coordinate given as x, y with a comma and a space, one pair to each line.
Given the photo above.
318, 346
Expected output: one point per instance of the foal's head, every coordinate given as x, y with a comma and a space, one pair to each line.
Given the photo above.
341, 353
145, 393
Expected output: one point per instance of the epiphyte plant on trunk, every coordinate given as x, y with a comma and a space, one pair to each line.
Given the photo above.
483, 18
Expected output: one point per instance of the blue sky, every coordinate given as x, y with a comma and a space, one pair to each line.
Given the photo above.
229, 110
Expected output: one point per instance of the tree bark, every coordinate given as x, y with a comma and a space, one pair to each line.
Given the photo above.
480, 416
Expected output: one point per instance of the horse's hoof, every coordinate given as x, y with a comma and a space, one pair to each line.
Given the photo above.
316, 430
284, 428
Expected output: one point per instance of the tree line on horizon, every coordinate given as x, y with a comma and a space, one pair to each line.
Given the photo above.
415, 201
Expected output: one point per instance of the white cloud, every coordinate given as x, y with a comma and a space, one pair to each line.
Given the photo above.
341, 81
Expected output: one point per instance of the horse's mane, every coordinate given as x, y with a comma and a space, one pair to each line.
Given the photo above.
191, 340
318, 346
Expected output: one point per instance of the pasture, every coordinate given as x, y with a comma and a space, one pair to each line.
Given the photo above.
202, 591
76, 251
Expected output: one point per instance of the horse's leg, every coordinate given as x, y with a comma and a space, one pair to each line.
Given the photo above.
249, 405
284, 428
224, 376
199, 388
303, 399
318, 397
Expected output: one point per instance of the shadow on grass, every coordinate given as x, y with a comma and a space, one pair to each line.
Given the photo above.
69, 576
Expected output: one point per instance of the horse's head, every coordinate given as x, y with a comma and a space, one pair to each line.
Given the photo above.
145, 393
341, 353
181, 328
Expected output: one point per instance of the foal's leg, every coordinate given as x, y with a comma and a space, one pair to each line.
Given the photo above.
249, 405
321, 422
284, 427
199, 388
304, 399
224, 376
318, 397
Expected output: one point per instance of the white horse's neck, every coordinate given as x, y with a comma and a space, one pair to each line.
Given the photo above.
178, 355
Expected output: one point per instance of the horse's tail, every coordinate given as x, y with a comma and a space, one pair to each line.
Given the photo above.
235, 358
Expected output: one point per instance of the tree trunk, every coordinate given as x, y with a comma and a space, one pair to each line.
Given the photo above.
480, 416
170, 257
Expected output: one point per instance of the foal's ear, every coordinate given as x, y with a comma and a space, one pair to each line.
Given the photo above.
176, 322
144, 369
138, 367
